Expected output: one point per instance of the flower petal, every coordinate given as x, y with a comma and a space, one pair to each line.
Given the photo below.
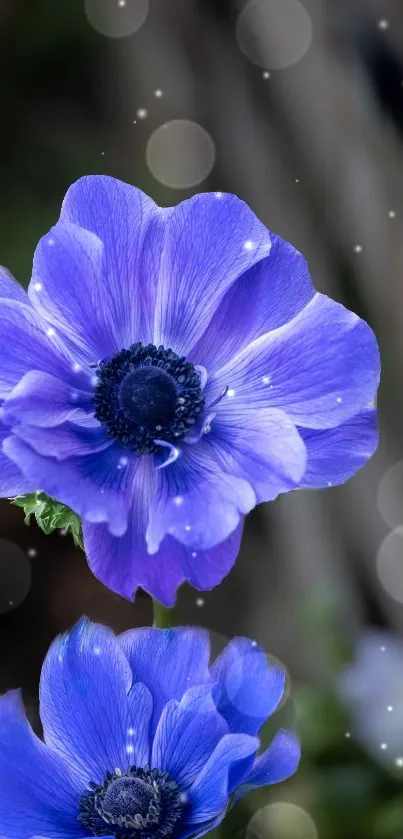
95, 486
189, 493
209, 795
124, 564
263, 298
264, 448
42, 399
38, 790
83, 700
321, 368
124, 219
23, 338
208, 243
186, 736
168, 662
334, 455
12, 481
140, 704
10, 289
250, 689
276, 764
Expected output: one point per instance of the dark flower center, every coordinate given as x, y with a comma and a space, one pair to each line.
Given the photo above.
140, 804
147, 393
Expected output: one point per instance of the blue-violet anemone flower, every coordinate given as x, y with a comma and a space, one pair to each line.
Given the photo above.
142, 739
169, 369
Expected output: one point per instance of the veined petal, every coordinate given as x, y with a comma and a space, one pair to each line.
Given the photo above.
95, 486
276, 764
168, 661
10, 289
209, 242
23, 337
42, 399
321, 368
264, 448
335, 454
249, 688
84, 708
189, 493
128, 224
39, 791
12, 481
263, 298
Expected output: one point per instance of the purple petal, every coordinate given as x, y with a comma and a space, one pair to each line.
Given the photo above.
124, 564
23, 339
321, 368
140, 702
128, 223
84, 709
42, 399
95, 486
209, 242
265, 297
168, 661
334, 455
250, 688
276, 764
264, 448
38, 790
12, 481
209, 794
189, 493
69, 440
10, 289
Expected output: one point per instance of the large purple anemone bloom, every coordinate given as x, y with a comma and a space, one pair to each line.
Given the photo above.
170, 369
142, 739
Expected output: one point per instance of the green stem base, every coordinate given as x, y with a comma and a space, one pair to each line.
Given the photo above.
164, 618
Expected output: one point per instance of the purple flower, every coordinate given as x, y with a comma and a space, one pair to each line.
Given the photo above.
169, 369
142, 739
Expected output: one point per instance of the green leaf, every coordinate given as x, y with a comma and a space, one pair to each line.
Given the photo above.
50, 515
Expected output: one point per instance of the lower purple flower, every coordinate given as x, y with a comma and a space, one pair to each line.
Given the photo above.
142, 740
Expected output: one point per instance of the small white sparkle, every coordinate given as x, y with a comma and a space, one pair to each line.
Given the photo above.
76, 367
38, 286
183, 797
130, 749
131, 732
383, 23
178, 500
254, 643
358, 248
296, 180
230, 392
200, 601
102, 153
142, 113
399, 762
248, 245
384, 746
329, 483
347, 735
11, 602
134, 122
121, 4
97, 650
158, 93
51, 241
63, 531
266, 74
218, 195
94, 380
392, 214
32, 552
266, 380
390, 708
188, 527
50, 332
339, 400
383, 649
194, 554
123, 461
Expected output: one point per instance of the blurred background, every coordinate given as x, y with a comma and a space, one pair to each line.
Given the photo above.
298, 109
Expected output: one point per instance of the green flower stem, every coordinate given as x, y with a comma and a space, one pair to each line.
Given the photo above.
164, 618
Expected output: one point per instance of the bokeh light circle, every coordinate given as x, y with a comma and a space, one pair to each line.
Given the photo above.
15, 576
274, 34
116, 18
389, 564
180, 154
281, 819
390, 495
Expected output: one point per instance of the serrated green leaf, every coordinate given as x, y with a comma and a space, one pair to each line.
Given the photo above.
50, 515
